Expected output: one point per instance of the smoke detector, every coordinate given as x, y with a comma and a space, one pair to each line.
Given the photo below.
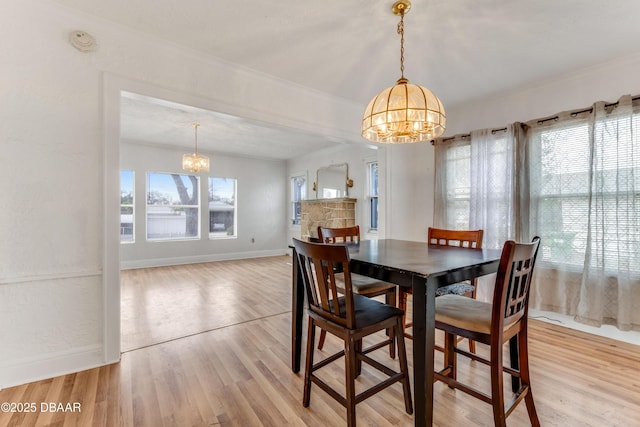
82, 41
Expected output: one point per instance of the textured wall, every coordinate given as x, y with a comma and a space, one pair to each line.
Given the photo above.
330, 213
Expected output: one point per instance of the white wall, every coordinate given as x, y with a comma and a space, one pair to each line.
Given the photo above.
59, 151
261, 205
578, 89
410, 181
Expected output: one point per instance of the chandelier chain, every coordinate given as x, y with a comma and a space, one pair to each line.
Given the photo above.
401, 32
195, 125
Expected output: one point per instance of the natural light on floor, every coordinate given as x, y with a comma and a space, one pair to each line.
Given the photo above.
632, 337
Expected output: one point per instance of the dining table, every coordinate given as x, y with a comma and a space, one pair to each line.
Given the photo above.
410, 264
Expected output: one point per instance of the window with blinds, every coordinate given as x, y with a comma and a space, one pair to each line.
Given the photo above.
560, 192
458, 187
568, 175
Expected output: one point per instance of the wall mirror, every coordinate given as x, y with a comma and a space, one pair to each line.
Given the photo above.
333, 181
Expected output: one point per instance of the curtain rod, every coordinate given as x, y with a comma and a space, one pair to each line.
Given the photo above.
540, 121
467, 135
586, 110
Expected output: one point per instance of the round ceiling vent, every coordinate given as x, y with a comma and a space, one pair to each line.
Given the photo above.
82, 41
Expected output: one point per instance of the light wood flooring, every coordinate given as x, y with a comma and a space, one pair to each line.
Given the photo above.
209, 345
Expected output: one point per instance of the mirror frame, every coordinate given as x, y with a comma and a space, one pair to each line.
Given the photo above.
348, 183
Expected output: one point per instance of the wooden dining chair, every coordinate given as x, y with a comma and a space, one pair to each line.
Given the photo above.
362, 285
494, 324
350, 317
471, 239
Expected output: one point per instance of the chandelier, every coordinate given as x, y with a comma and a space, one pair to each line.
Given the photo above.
194, 162
403, 113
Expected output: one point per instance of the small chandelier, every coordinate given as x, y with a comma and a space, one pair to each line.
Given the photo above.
403, 113
194, 162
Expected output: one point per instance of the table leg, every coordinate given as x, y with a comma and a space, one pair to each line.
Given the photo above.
515, 362
297, 298
423, 343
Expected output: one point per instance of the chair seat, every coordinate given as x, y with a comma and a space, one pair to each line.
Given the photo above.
364, 285
464, 313
368, 311
461, 288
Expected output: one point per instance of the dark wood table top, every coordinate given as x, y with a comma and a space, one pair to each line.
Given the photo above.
419, 259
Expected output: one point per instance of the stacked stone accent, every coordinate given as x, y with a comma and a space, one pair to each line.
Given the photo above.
331, 213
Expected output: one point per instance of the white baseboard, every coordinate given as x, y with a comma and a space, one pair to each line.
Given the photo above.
18, 372
160, 262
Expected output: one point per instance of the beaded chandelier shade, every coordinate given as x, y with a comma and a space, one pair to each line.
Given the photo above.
195, 162
403, 113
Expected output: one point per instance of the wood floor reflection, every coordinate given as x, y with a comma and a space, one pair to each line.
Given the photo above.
218, 354
161, 304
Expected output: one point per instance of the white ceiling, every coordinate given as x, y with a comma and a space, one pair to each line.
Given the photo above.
151, 120
460, 49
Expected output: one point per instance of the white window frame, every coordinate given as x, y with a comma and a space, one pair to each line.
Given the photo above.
372, 195
293, 200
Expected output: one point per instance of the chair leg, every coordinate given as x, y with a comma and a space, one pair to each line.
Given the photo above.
323, 335
309, 363
497, 394
358, 363
402, 305
472, 343
390, 299
402, 356
523, 355
450, 357
351, 373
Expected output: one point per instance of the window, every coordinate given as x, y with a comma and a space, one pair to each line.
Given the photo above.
458, 188
173, 210
298, 193
372, 194
560, 185
222, 207
566, 182
126, 206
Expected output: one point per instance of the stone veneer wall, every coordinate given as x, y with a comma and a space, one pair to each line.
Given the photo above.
332, 213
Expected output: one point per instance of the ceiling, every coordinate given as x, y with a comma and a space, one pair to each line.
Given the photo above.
155, 121
460, 49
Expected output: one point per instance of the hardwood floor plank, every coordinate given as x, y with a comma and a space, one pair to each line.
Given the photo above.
210, 347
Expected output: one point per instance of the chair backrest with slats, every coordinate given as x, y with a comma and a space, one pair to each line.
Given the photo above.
337, 235
318, 264
513, 281
471, 239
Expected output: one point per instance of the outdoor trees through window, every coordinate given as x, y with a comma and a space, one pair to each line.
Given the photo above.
173, 208
222, 207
